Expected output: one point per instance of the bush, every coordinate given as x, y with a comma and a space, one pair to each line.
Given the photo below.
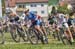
63, 9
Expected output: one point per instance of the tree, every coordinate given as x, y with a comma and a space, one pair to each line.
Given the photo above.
3, 7
63, 9
53, 2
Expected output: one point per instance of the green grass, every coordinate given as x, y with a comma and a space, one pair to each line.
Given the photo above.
53, 44
39, 46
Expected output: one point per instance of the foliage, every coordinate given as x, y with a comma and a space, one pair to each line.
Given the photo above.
3, 6
3, 3
63, 9
53, 2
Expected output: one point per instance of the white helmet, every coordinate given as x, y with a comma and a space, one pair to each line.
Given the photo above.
26, 10
8, 11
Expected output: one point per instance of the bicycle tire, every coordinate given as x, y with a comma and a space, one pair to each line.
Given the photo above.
29, 33
14, 35
64, 39
2, 40
22, 34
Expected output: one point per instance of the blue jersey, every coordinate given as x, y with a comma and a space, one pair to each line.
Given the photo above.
31, 16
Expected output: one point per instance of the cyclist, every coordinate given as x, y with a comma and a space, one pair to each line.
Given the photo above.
61, 20
13, 17
71, 21
53, 11
36, 21
51, 20
6, 17
10, 16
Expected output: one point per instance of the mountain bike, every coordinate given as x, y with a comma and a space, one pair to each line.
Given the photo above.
34, 36
14, 32
63, 37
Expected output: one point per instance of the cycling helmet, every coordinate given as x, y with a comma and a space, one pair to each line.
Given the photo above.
26, 10
8, 11
39, 16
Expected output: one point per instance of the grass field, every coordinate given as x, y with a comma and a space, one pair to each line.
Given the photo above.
39, 46
53, 44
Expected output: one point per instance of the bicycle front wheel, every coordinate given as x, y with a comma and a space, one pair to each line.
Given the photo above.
2, 37
32, 36
15, 36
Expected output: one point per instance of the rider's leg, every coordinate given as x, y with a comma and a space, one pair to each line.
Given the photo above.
45, 34
69, 32
44, 31
74, 29
57, 32
57, 29
39, 29
38, 26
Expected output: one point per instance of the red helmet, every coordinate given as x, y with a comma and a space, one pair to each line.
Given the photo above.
39, 17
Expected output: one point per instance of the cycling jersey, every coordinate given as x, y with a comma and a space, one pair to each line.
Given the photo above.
51, 21
62, 21
69, 21
33, 18
14, 19
23, 16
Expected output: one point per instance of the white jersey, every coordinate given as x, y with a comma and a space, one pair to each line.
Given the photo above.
61, 20
23, 16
